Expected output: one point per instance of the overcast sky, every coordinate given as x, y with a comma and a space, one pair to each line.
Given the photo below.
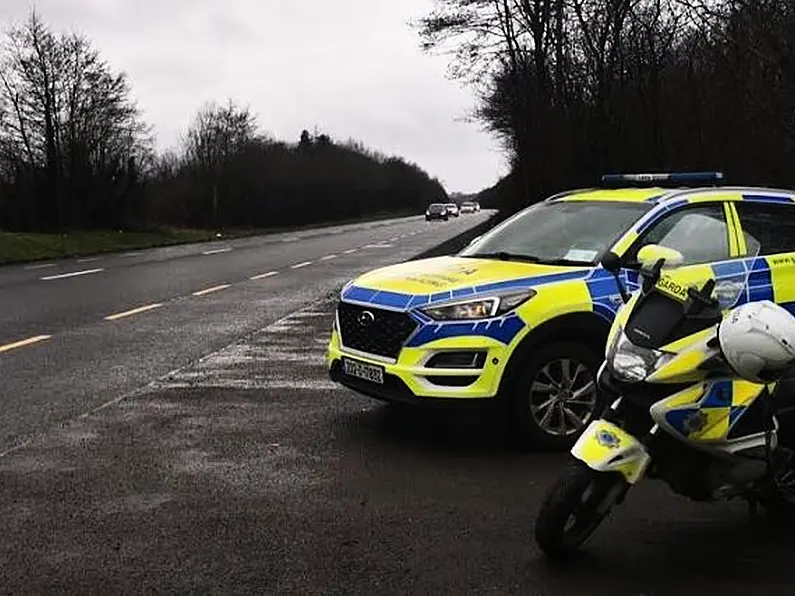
352, 68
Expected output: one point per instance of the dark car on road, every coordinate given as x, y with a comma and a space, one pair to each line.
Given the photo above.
436, 211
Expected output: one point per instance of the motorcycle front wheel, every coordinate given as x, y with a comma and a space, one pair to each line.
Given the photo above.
573, 509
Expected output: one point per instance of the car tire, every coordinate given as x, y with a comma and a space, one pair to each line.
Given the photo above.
542, 395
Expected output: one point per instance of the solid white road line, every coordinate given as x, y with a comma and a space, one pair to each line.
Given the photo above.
73, 274
264, 275
299, 265
216, 251
24, 342
211, 290
134, 311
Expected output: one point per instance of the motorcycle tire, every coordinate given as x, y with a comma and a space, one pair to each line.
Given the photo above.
565, 500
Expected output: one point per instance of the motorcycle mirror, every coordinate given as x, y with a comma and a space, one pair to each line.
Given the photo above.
612, 263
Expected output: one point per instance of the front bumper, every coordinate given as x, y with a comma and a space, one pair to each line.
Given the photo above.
410, 380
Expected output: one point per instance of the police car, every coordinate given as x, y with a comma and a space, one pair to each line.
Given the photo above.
520, 317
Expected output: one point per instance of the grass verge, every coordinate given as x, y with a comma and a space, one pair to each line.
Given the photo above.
24, 247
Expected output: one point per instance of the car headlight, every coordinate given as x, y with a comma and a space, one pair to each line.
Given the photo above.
480, 308
633, 363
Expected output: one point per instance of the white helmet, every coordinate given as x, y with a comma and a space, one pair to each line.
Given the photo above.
758, 340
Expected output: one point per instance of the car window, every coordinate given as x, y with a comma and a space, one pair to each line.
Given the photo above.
772, 225
700, 233
576, 231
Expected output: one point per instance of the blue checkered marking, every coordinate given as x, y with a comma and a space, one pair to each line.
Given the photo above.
719, 395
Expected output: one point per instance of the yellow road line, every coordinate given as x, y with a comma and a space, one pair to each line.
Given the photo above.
264, 275
24, 342
210, 290
134, 311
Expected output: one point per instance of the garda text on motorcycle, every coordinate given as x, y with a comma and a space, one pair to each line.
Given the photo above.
691, 368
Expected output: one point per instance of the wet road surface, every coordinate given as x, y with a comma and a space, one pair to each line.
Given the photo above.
247, 471
69, 344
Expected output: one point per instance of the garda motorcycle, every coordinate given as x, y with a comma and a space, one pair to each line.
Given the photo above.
691, 370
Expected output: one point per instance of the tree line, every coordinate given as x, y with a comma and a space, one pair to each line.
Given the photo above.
577, 88
76, 153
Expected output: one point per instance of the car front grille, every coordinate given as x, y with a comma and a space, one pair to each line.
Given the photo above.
383, 332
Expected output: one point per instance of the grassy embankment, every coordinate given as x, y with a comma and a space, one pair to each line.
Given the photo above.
21, 247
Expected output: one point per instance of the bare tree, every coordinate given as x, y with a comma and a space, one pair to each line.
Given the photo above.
70, 136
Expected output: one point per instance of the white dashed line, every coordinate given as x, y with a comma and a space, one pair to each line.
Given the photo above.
24, 342
264, 275
216, 251
42, 266
347, 252
130, 254
210, 290
73, 274
134, 311
299, 265
328, 257
88, 259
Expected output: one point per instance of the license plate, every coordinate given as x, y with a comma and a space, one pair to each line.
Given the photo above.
368, 372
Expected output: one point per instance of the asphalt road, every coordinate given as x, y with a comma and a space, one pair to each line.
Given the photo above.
246, 471
75, 334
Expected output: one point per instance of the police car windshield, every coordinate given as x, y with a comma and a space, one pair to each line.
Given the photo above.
559, 232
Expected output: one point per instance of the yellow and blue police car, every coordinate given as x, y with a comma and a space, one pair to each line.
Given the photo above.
520, 317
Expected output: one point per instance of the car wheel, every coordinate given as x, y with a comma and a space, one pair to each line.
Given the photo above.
554, 396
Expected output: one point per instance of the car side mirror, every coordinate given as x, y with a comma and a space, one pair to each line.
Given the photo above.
611, 262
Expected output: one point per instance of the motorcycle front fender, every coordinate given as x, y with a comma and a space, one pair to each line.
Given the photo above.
605, 447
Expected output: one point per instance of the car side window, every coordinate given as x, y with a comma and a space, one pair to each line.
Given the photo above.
700, 233
772, 225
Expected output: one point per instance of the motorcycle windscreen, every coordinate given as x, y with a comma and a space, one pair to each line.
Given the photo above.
662, 317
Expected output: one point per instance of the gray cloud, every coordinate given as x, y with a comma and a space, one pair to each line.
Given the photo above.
352, 68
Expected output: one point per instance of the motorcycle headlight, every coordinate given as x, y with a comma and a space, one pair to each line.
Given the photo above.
480, 308
633, 363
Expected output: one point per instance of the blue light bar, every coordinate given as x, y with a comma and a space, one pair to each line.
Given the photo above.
670, 177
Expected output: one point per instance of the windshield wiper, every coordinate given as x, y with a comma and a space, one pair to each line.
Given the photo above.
504, 256
572, 262
509, 256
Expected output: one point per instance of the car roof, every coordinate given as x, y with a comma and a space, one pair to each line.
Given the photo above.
666, 196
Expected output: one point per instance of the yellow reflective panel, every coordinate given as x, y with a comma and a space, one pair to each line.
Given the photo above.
634, 195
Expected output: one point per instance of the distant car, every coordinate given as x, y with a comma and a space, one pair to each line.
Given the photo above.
468, 207
477, 206
452, 209
436, 211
